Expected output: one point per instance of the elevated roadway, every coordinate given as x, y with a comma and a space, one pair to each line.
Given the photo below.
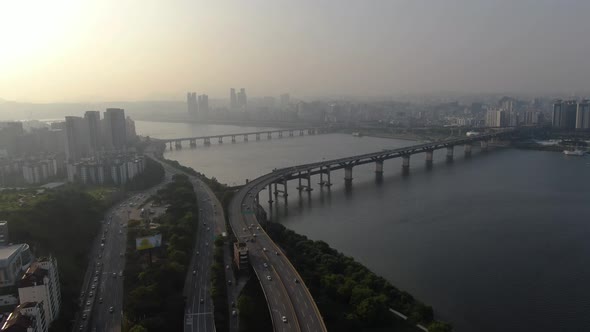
285, 291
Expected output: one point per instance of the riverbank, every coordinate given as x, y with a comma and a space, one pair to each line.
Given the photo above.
351, 297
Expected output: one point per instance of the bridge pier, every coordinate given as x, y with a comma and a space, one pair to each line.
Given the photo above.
467, 149
484, 146
280, 134
450, 150
429, 155
233, 138
193, 143
300, 132
379, 167
245, 138
348, 174
322, 182
291, 133
170, 145
178, 145
268, 135
207, 141
258, 137
406, 164
220, 140
270, 201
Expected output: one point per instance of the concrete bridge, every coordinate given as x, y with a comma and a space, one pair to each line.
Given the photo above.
244, 137
291, 298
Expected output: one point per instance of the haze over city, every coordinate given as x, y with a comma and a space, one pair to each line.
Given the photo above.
294, 166
80, 51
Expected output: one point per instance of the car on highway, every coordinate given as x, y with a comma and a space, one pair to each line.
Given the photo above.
111, 310
201, 300
120, 273
277, 253
114, 274
284, 319
100, 300
265, 265
258, 227
194, 272
227, 267
84, 316
234, 313
91, 294
268, 278
206, 244
264, 249
88, 303
296, 281
120, 254
197, 253
229, 282
93, 287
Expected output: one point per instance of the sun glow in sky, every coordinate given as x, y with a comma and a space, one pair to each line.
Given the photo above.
66, 50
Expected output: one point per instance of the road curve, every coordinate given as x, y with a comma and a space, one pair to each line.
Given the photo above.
286, 293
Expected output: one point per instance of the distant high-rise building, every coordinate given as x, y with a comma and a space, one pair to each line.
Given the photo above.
285, 100
242, 99
556, 114
233, 99
497, 118
77, 138
130, 130
115, 128
532, 117
583, 115
192, 105
203, 103
94, 131
565, 114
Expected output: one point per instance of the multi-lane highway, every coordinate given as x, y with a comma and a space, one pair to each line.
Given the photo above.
291, 306
199, 305
101, 299
198, 316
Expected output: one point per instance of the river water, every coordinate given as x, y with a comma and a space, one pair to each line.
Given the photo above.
496, 242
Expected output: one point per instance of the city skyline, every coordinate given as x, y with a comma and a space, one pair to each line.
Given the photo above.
88, 52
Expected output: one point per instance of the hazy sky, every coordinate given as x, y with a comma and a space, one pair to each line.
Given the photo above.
158, 49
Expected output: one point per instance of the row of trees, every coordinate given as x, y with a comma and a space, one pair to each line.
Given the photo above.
153, 288
349, 296
62, 222
219, 288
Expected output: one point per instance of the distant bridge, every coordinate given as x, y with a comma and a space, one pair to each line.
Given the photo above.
280, 133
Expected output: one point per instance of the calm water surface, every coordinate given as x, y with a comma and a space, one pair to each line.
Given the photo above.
498, 242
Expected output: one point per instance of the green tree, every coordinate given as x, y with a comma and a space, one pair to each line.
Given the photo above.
440, 327
138, 328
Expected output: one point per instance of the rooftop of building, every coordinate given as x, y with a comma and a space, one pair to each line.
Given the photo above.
9, 251
34, 276
17, 322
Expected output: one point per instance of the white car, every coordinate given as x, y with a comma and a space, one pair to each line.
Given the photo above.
268, 278
284, 319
